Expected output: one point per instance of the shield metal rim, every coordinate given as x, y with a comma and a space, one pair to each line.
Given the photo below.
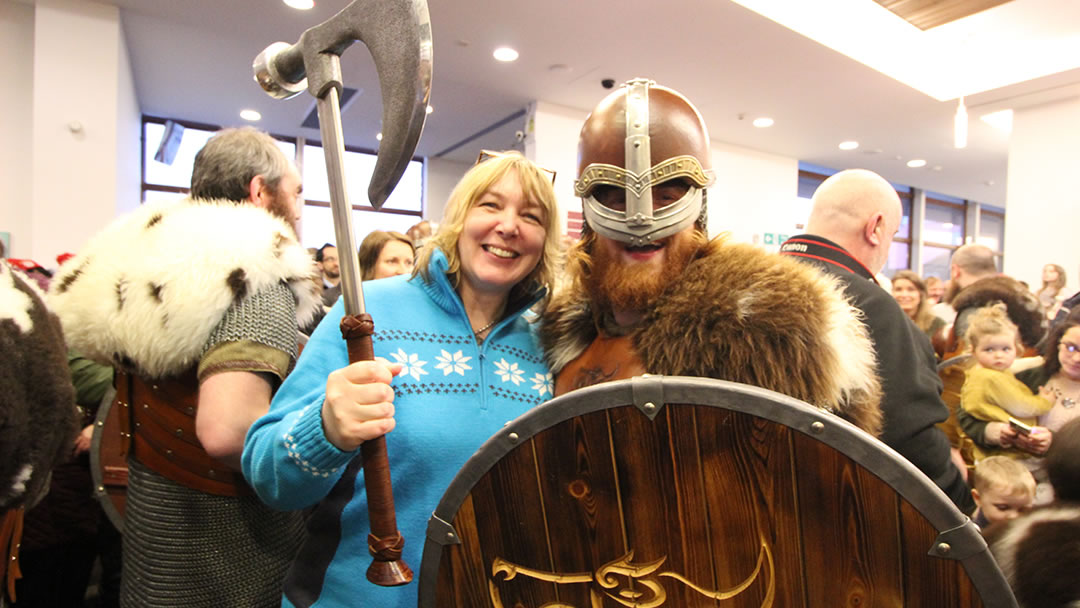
96, 466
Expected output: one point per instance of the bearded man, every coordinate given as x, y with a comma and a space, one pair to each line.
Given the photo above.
196, 303
646, 291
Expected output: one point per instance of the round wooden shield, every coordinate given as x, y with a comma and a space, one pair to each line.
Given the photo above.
686, 492
108, 458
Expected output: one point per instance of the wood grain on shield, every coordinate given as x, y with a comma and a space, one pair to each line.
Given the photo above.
850, 530
650, 496
927, 576
462, 571
748, 479
580, 497
512, 527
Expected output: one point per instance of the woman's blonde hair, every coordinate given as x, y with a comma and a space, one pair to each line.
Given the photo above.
537, 188
991, 320
923, 317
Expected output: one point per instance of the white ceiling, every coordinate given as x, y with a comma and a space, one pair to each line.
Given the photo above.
192, 60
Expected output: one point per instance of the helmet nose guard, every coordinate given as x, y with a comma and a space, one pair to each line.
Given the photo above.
637, 137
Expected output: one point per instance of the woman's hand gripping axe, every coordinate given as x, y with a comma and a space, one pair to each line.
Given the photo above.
398, 34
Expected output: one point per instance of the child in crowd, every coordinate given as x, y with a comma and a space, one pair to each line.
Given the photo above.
1003, 489
1038, 553
991, 392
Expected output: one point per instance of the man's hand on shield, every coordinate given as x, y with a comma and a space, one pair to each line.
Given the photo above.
359, 403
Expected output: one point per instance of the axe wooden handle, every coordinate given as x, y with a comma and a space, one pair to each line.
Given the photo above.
384, 542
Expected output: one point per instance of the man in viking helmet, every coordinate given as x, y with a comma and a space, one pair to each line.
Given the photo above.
196, 303
647, 292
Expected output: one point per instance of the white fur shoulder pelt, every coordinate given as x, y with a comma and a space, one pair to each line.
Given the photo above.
147, 291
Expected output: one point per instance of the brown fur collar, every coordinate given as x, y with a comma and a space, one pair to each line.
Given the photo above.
747, 316
1024, 308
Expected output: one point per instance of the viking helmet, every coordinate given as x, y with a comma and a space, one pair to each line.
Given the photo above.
638, 137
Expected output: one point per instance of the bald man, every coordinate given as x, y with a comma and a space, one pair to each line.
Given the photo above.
854, 217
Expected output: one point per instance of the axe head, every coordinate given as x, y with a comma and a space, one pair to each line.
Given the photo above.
398, 35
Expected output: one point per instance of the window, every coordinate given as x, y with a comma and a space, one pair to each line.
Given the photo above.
403, 209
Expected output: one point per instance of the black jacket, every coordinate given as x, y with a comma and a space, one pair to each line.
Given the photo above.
911, 402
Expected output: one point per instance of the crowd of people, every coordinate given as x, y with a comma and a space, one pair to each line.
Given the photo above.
244, 484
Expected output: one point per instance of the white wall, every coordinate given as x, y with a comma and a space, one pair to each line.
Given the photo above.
16, 106
552, 143
755, 195
84, 115
1042, 224
128, 136
442, 176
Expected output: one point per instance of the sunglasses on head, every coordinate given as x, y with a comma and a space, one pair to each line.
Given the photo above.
489, 154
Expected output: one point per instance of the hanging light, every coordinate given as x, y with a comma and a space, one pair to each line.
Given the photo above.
960, 125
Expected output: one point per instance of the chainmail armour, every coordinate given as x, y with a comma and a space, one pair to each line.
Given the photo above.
267, 317
187, 548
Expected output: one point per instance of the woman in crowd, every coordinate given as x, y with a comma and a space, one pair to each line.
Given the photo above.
466, 361
1060, 373
910, 293
1051, 294
385, 254
935, 290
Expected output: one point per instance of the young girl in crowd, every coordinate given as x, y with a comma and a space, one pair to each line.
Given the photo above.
991, 392
1003, 490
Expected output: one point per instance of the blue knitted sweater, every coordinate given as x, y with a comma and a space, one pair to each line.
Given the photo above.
451, 396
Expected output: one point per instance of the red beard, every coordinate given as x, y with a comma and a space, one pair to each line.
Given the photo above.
614, 285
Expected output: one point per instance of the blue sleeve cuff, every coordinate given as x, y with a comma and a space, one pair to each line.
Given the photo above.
308, 447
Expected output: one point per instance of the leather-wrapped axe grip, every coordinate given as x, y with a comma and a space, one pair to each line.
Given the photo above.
398, 35
384, 542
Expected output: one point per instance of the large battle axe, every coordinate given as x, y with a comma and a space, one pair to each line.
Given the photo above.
398, 34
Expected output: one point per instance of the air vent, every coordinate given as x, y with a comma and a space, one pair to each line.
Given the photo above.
312, 120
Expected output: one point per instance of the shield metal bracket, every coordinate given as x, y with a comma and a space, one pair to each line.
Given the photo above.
648, 394
958, 543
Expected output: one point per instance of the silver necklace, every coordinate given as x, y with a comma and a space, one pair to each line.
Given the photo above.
1066, 402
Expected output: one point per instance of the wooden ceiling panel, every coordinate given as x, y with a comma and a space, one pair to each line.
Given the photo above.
925, 14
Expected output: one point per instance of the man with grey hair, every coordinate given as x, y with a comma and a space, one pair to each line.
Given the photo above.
854, 217
968, 264
196, 303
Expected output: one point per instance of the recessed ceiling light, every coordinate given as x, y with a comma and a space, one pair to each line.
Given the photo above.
430, 109
848, 145
763, 122
251, 115
915, 163
378, 136
505, 53
302, 5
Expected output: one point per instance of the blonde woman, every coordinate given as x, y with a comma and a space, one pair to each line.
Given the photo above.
465, 360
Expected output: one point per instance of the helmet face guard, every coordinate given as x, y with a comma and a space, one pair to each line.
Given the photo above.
639, 137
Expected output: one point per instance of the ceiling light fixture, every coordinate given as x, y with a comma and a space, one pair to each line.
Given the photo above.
378, 136
250, 115
960, 125
302, 5
505, 54
430, 109
916, 163
848, 145
763, 123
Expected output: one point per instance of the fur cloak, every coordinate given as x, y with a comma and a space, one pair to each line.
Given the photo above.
1023, 307
37, 402
146, 292
1038, 554
737, 313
